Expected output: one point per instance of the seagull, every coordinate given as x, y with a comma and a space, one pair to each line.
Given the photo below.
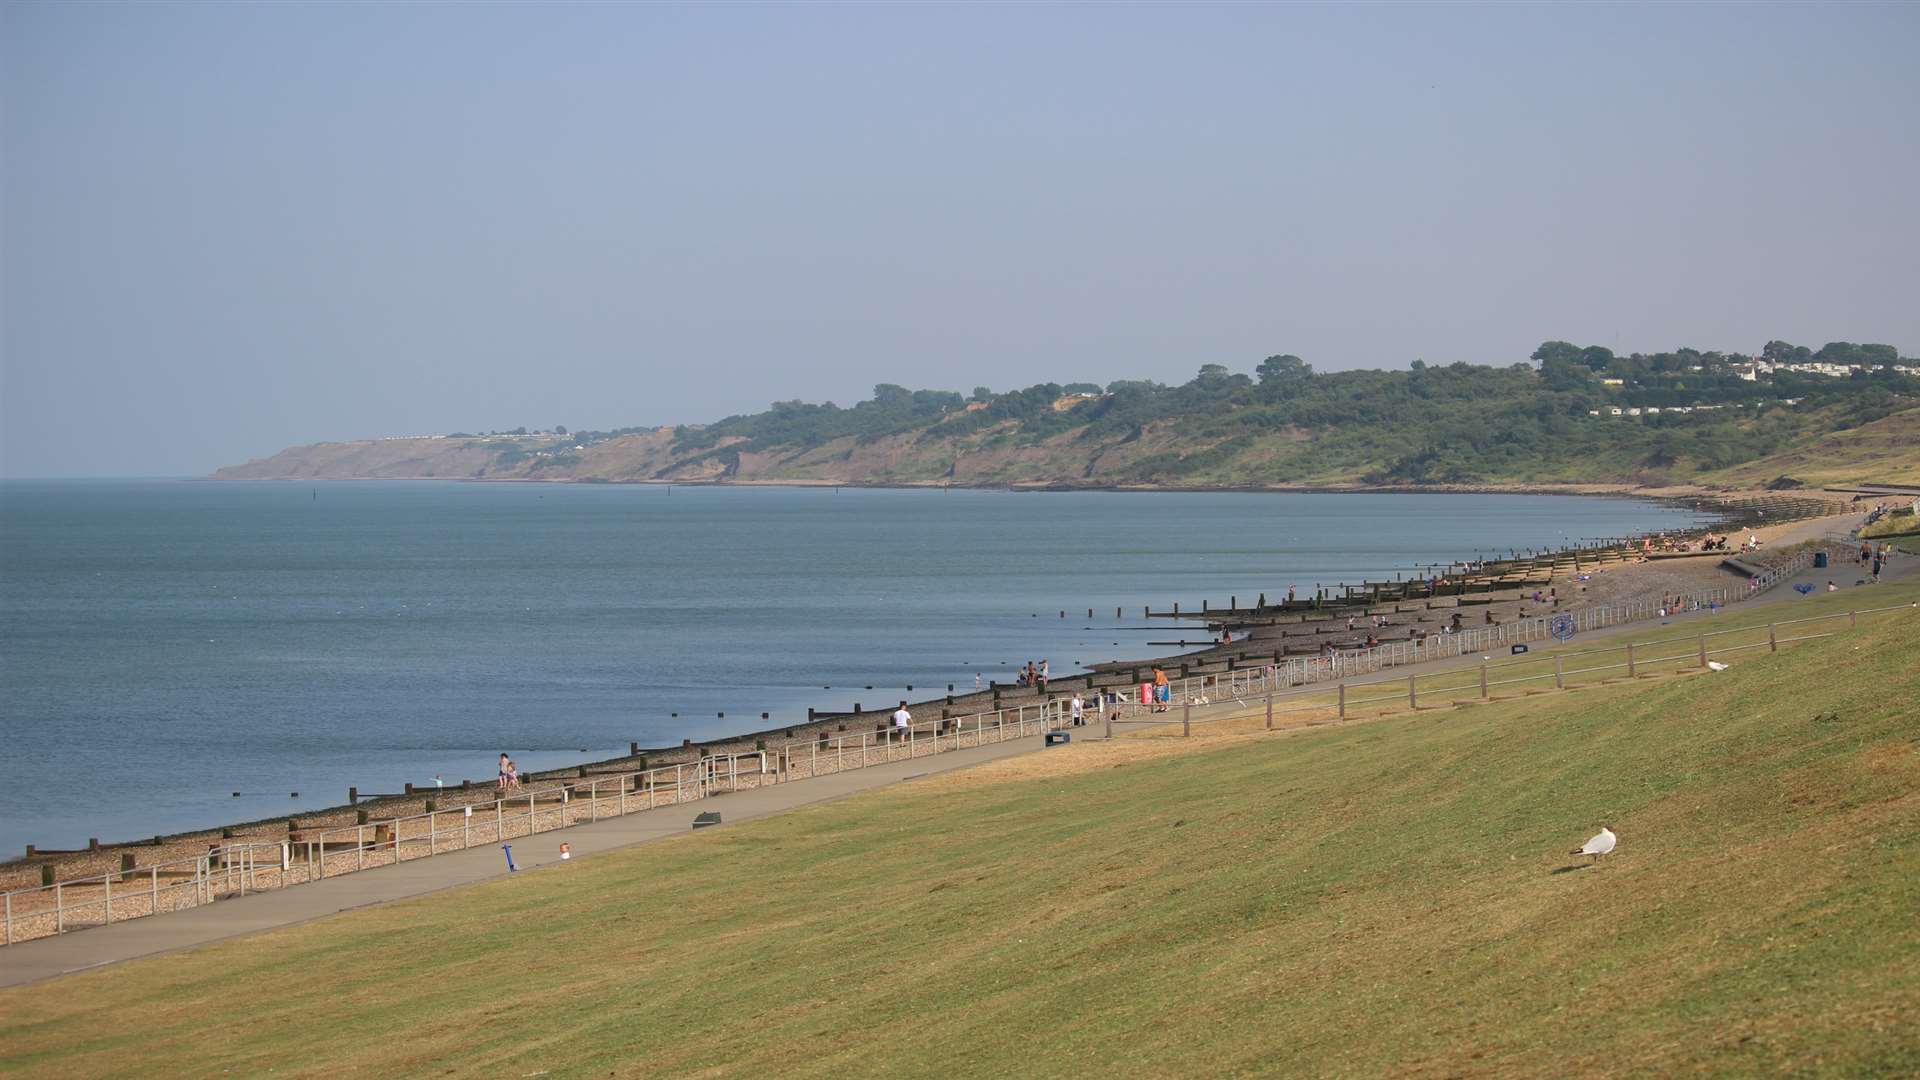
1601, 844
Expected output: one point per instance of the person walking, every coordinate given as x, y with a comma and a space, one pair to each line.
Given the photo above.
1162, 690
902, 723
1077, 708
1045, 674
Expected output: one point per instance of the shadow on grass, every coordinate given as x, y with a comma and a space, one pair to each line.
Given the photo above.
1572, 868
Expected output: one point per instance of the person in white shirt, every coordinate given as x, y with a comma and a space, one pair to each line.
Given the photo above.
902, 720
1079, 710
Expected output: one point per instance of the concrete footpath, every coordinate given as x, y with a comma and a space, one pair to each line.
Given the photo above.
63, 954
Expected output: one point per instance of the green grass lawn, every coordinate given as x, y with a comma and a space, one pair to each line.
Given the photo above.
1386, 898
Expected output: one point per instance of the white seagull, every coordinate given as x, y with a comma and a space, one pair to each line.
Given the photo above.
1601, 844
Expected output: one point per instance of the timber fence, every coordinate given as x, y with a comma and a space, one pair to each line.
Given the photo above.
1230, 696
237, 868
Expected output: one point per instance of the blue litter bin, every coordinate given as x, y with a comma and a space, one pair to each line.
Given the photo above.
1819, 560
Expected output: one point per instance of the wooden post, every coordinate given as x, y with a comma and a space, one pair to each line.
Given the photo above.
1629, 659
1773, 643
1853, 618
1483, 682
1413, 698
1343, 701
1703, 650
1186, 719
1559, 673
1269, 710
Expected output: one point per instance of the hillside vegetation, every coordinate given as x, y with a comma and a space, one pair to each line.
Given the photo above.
1287, 425
1386, 898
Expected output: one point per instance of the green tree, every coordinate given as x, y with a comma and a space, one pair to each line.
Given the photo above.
1563, 351
1283, 370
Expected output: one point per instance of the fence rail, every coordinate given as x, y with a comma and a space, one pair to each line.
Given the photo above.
310, 855
1247, 689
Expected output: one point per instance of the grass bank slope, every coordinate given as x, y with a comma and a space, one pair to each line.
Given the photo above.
1886, 451
1387, 898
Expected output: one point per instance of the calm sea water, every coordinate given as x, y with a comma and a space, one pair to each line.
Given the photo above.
166, 643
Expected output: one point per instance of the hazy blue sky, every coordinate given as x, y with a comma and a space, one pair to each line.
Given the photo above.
229, 228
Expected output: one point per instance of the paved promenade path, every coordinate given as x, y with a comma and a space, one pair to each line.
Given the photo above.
48, 957
45, 958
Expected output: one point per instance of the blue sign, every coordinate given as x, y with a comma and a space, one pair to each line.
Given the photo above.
1563, 627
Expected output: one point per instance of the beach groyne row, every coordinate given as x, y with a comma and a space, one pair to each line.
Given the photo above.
298, 851
1306, 638
235, 870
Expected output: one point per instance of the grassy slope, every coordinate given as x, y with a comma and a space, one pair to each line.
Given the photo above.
1380, 898
1886, 451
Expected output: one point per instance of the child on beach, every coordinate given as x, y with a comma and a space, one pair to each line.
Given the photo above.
504, 766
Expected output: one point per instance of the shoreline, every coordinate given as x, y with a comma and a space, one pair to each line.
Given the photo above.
957, 704
1658, 493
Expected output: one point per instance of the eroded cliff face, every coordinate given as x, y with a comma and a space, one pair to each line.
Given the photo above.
993, 456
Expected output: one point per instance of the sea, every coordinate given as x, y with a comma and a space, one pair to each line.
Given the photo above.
180, 654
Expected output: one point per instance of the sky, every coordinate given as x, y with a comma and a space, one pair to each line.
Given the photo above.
225, 229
